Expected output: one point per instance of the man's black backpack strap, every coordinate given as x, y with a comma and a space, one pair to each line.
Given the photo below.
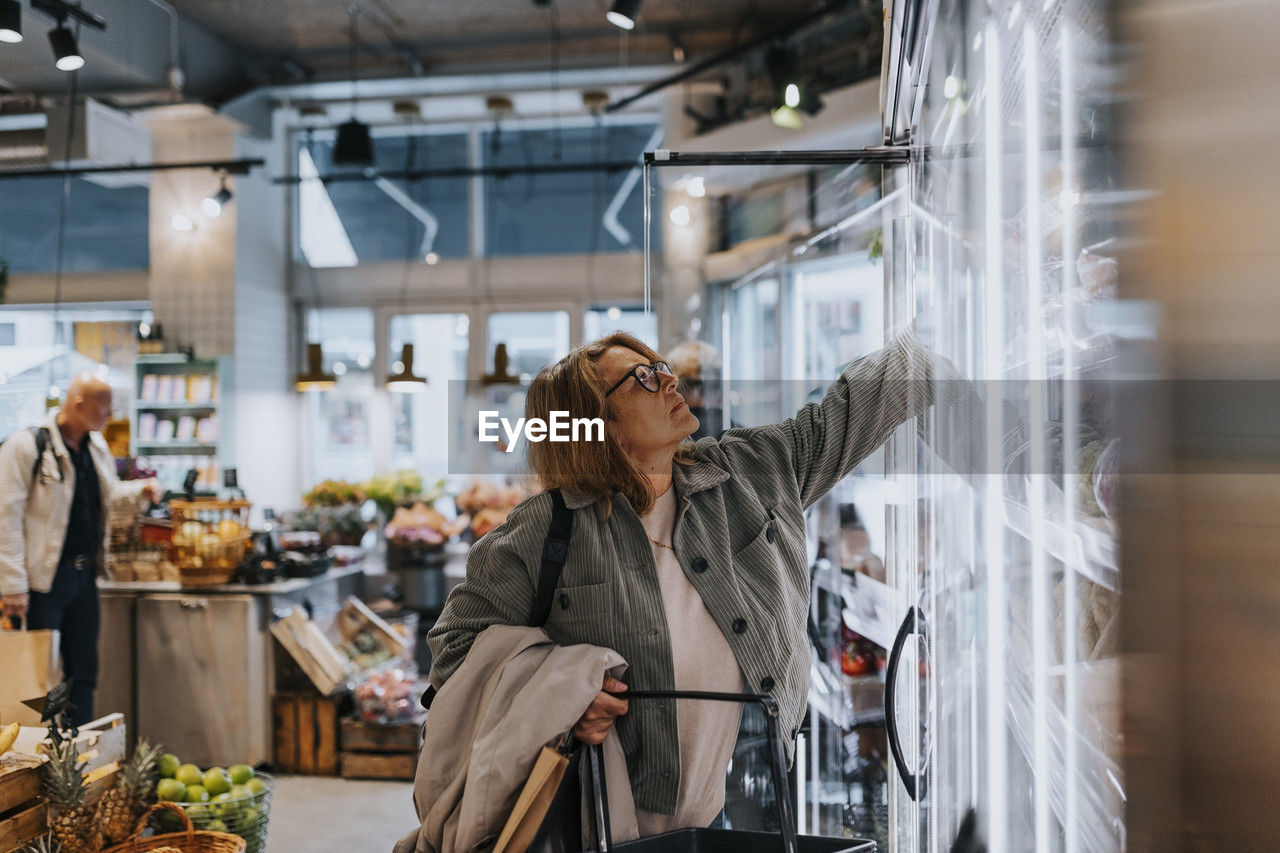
555, 550
43, 438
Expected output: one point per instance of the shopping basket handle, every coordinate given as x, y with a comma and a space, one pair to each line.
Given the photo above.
777, 761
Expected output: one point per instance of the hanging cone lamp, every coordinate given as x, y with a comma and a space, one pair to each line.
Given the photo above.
501, 369
403, 379
314, 378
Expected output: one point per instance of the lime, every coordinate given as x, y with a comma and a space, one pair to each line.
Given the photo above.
256, 785
240, 773
217, 781
168, 765
197, 794
171, 790
189, 774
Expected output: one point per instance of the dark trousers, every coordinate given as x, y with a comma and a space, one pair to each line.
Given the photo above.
71, 607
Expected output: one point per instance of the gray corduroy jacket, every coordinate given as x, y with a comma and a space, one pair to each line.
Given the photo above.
739, 536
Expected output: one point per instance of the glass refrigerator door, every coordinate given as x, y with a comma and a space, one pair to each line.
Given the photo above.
1005, 537
781, 253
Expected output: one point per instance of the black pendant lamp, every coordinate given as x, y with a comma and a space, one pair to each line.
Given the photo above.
353, 147
314, 378
10, 21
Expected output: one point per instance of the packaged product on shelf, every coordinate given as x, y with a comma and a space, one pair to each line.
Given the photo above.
148, 392
186, 430
164, 389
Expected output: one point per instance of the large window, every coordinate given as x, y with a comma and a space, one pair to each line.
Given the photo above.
421, 420
534, 339
603, 320
42, 350
554, 213
345, 219
341, 436
345, 222
106, 225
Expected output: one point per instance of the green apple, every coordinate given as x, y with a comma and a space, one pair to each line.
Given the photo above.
256, 785
239, 792
251, 817
171, 790
199, 813
189, 774
240, 773
197, 794
216, 825
217, 781
168, 765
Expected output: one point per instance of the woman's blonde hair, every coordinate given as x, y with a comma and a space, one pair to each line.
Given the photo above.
599, 469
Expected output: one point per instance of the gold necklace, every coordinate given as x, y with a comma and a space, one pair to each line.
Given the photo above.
660, 544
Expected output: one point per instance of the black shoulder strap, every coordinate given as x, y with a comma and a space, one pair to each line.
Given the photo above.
554, 552
42, 438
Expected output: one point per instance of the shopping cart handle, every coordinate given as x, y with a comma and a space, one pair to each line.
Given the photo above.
777, 761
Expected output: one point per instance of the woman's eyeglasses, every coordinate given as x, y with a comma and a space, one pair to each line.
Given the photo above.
646, 375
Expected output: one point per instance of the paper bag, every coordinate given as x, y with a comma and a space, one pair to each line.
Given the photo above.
31, 669
534, 800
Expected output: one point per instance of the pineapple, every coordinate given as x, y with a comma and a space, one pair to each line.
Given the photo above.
120, 808
72, 822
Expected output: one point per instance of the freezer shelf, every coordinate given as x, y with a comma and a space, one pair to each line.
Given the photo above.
1088, 545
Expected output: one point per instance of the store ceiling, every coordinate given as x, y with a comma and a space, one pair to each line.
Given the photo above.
230, 47
407, 37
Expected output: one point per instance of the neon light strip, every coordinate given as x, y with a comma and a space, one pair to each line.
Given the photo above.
993, 511
1071, 618
1037, 371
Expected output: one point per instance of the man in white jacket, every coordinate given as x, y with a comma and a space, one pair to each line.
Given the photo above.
57, 484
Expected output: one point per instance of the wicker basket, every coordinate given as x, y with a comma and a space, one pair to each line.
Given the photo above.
209, 539
189, 840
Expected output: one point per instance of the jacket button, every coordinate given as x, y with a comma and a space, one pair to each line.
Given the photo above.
767, 683
768, 535
740, 627
699, 564
564, 601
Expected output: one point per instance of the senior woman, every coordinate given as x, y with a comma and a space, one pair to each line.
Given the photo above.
687, 558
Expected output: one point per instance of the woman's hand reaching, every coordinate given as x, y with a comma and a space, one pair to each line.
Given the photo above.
596, 721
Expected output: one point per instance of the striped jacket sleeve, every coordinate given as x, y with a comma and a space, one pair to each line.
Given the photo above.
499, 588
859, 412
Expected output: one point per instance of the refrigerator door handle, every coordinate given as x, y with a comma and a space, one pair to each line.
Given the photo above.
912, 624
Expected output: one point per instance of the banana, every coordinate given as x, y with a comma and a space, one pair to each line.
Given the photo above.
8, 736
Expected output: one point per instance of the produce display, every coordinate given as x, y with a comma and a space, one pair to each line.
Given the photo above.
487, 504
119, 809
363, 651
210, 539
421, 525
388, 696
232, 799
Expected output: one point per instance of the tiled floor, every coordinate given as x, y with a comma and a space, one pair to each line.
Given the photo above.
319, 814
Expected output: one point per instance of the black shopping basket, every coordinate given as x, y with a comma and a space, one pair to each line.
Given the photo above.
719, 840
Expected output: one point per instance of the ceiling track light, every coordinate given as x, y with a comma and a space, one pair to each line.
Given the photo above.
314, 378
66, 52
624, 13
404, 380
212, 206
10, 21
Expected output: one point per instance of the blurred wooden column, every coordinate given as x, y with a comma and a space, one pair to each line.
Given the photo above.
1201, 548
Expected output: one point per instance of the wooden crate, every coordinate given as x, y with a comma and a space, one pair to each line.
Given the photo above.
24, 813
306, 733
381, 751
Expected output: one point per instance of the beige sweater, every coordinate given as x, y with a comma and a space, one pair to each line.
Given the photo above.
702, 659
